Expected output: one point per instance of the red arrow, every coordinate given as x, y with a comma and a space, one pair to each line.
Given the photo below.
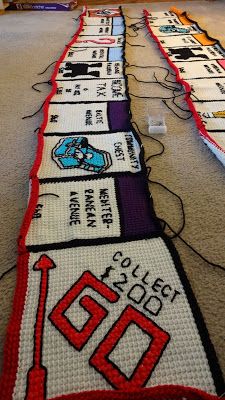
37, 375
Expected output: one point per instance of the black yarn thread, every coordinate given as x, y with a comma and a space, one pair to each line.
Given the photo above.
137, 26
196, 98
181, 204
179, 107
183, 109
77, 48
40, 83
134, 45
76, 19
157, 81
41, 73
127, 16
155, 66
132, 35
165, 86
177, 234
174, 112
161, 98
36, 112
192, 248
7, 272
161, 83
158, 183
155, 140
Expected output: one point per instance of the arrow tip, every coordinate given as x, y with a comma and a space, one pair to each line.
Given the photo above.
44, 263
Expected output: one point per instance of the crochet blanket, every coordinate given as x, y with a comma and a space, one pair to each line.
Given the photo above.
102, 308
199, 63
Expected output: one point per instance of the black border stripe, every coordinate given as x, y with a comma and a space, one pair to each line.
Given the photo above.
89, 177
89, 102
87, 242
202, 77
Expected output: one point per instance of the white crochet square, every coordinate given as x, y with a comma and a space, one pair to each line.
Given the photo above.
102, 30
107, 41
70, 118
90, 21
178, 41
212, 114
161, 14
205, 89
75, 210
143, 277
95, 90
155, 21
88, 154
200, 69
90, 70
94, 54
95, 30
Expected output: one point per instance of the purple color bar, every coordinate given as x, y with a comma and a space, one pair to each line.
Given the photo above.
118, 114
137, 214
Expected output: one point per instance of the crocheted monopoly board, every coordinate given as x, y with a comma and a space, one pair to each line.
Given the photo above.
102, 308
199, 63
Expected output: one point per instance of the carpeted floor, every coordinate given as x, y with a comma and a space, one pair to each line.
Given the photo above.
32, 40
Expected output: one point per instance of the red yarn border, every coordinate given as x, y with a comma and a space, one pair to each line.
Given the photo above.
164, 392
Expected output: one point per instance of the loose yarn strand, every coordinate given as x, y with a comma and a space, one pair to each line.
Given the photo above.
192, 248
174, 112
154, 139
7, 272
181, 203
41, 73
40, 83
36, 112
134, 45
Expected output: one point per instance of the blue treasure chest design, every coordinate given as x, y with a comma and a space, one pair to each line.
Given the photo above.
173, 28
78, 153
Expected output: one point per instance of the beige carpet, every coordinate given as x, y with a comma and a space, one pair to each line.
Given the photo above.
32, 40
